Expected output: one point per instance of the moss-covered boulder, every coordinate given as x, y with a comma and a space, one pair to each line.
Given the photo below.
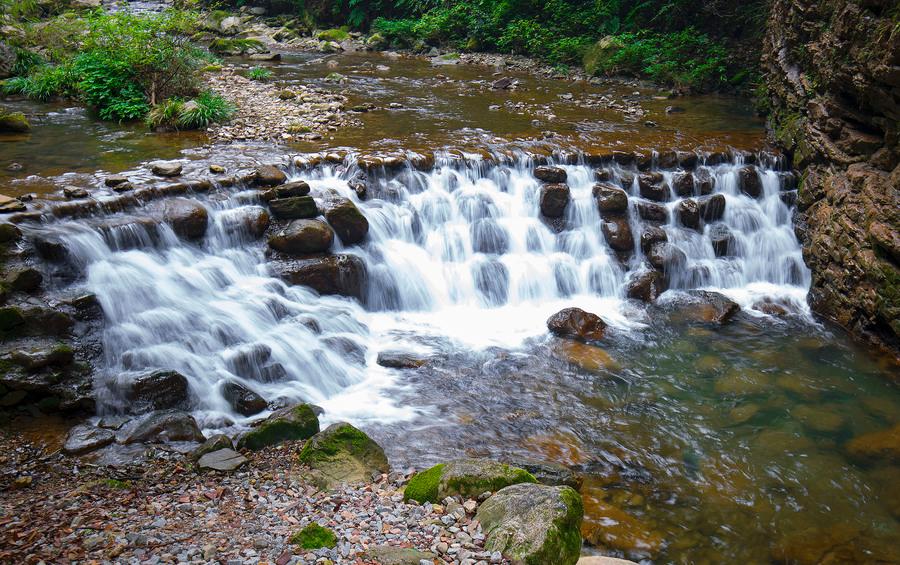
335, 34
600, 57
468, 478
13, 122
314, 536
533, 524
342, 454
292, 423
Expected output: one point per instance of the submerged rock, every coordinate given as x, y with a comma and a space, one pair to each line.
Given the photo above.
882, 445
85, 438
575, 323
717, 308
547, 473
302, 237
343, 454
288, 424
160, 427
468, 478
616, 529
534, 524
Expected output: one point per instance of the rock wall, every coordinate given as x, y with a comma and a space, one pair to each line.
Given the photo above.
833, 78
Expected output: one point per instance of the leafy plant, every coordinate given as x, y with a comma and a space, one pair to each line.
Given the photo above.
197, 113
259, 73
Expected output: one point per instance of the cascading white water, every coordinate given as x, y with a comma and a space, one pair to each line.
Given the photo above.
460, 253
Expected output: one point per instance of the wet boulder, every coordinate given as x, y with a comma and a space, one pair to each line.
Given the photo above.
35, 359
547, 473
722, 240
688, 213
645, 286
712, 207
75, 192
51, 246
269, 175
13, 122
714, 307
652, 212
294, 208
85, 438
159, 389
551, 175
705, 181
350, 225
302, 237
161, 427
188, 218
683, 183
296, 188
287, 424
617, 232
610, 198
651, 235
532, 523
243, 400
342, 454
398, 359
750, 182
575, 323
666, 257
341, 274
9, 233
652, 187
250, 221
248, 359
166, 168
554, 199
113, 181
468, 478
213, 443
24, 279
9, 205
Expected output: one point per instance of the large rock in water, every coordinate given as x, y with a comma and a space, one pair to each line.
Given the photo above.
534, 524
712, 307
468, 478
161, 427
269, 175
242, 399
288, 424
302, 237
13, 122
712, 207
166, 168
749, 181
554, 199
294, 208
188, 218
347, 221
550, 174
575, 323
617, 231
343, 454
159, 390
646, 286
610, 198
341, 274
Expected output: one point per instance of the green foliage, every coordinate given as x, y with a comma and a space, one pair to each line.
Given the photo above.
314, 536
259, 73
335, 34
109, 85
227, 46
197, 113
43, 83
26, 61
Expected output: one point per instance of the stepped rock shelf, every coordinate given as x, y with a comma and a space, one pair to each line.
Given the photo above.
456, 303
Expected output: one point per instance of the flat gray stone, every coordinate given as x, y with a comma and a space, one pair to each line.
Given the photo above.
222, 460
84, 438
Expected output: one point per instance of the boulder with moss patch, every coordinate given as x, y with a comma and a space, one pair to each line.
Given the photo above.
314, 536
13, 122
342, 454
468, 478
287, 424
534, 524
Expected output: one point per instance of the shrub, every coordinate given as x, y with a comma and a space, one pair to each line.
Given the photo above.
259, 73
197, 113
43, 83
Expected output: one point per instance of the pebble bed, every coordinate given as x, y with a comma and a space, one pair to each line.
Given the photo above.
57, 509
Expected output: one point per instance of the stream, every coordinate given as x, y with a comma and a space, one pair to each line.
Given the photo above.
699, 443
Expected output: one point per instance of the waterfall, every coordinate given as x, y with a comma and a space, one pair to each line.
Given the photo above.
459, 252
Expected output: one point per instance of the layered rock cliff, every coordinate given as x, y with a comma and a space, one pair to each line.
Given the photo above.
833, 77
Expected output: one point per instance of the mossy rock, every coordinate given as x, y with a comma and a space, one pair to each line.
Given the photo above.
314, 536
534, 524
287, 424
222, 46
14, 122
342, 454
11, 318
468, 478
335, 34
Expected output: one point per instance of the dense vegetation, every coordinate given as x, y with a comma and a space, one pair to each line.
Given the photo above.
709, 45
124, 66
